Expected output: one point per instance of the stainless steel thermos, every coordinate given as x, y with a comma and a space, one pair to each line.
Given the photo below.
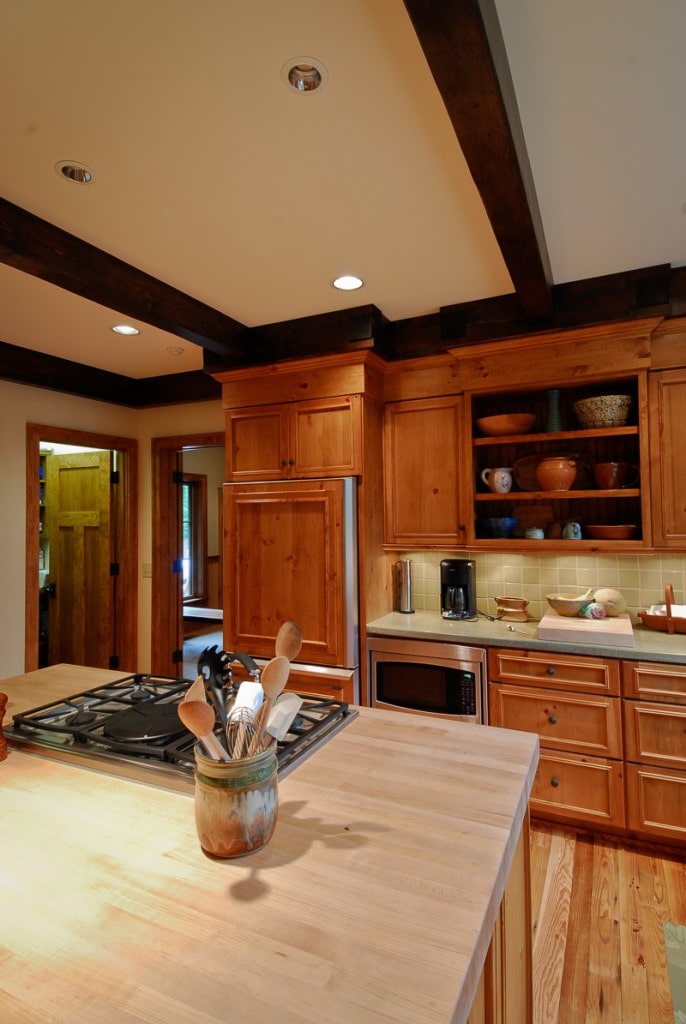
403, 569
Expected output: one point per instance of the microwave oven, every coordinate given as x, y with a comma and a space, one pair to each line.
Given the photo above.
444, 680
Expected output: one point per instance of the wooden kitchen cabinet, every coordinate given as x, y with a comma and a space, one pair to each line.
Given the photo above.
320, 437
573, 703
422, 473
667, 406
654, 707
504, 995
516, 376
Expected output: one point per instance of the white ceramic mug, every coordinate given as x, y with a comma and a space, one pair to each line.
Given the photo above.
498, 480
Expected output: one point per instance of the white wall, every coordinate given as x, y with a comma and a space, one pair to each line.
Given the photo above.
20, 405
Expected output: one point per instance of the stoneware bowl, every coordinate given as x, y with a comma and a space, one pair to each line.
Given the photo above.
568, 604
507, 423
498, 526
621, 532
603, 411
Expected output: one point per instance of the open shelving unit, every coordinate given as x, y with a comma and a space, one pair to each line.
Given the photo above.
584, 503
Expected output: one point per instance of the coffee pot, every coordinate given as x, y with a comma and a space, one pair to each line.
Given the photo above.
458, 588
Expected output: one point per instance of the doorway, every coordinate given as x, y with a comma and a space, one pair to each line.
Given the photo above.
81, 549
178, 560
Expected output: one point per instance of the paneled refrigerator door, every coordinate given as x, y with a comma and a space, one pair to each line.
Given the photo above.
290, 552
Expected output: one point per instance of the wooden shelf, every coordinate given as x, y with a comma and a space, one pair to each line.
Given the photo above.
558, 435
626, 492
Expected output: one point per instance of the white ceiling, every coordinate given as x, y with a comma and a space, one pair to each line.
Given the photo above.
213, 176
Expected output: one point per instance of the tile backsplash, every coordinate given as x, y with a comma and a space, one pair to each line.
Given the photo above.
640, 578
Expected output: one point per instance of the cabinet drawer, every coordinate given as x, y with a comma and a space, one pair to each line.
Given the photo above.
656, 802
584, 724
654, 681
576, 788
332, 684
655, 734
566, 671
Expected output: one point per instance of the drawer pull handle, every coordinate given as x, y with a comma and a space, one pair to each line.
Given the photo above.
553, 720
550, 670
554, 782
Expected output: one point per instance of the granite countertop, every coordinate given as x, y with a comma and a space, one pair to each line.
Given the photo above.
375, 899
649, 645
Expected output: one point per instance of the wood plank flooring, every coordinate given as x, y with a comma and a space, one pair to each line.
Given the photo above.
598, 905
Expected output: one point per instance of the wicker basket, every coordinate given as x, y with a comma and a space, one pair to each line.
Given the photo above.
664, 623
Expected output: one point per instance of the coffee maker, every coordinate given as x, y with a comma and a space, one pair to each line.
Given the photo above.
458, 588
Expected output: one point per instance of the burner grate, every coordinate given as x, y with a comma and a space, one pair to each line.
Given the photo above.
134, 720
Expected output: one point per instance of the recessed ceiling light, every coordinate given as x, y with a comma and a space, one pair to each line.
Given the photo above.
73, 171
125, 329
175, 350
348, 283
304, 74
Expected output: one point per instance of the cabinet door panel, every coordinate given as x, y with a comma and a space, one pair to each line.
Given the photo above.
285, 559
566, 671
570, 787
655, 733
421, 472
326, 436
656, 802
654, 681
257, 443
580, 724
667, 405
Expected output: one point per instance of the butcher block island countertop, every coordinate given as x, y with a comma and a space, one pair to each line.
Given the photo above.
375, 900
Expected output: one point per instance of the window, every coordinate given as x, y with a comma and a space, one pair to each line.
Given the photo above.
194, 536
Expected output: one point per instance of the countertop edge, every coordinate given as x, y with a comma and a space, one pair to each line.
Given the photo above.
649, 645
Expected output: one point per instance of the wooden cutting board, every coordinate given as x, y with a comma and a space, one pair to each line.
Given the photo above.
615, 632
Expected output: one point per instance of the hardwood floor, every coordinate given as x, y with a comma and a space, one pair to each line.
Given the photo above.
598, 905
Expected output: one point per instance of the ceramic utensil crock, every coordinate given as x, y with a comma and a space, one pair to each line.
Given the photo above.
236, 803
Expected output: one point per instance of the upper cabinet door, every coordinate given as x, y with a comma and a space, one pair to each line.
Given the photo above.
421, 477
326, 436
667, 416
257, 443
321, 437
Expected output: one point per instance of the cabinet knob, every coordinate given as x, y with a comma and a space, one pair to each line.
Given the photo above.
554, 782
552, 720
284, 462
550, 671
291, 462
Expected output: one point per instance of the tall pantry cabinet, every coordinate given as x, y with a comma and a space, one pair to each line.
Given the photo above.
312, 419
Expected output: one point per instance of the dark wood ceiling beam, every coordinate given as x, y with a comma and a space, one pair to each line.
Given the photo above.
36, 247
40, 370
464, 48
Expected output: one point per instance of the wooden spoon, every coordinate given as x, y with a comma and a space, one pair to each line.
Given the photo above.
289, 640
273, 677
196, 691
198, 716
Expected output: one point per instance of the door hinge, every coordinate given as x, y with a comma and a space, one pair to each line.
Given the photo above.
114, 476
114, 661
114, 568
177, 476
177, 565
177, 657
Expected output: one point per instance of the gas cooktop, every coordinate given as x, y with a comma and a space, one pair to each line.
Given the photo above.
130, 727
